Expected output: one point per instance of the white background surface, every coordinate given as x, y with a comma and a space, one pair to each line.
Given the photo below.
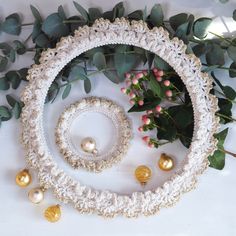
208, 210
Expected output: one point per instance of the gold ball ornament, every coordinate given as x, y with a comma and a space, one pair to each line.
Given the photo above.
165, 162
143, 174
23, 178
89, 145
53, 213
36, 195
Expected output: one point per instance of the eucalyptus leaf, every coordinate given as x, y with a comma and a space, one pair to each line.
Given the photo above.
36, 13
215, 55
12, 24
232, 71
156, 15
82, 11
94, 13
199, 49
77, 72
42, 41
161, 64
99, 60
5, 112
3, 63
136, 15
14, 78
225, 109
232, 52
229, 92
61, 12
54, 27
66, 91
11, 100
87, 86
200, 27
36, 30
177, 20
19, 47
52, 92
119, 10
75, 22
234, 14
6, 48
16, 110
4, 84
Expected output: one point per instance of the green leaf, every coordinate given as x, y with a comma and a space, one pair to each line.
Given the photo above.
118, 10
161, 64
124, 61
66, 91
82, 11
156, 15
94, 13
16, 110
52, 92
36, 13
232, 72
110, 15
14, 78
76, 22
199, 49
234, 15
136, 15
155, 86
36, 30
54, 27
23, 72
11, 101
217, 160
4, 112
3, 63
177, 20
232, 52
200, 27
6, 48
148, 105
4, 84
87, 86
12, 24
225, 109
77, 72
112, 76
99, 60
215, 56
182, 32
19, 47
61, 12
42, 41
229, 92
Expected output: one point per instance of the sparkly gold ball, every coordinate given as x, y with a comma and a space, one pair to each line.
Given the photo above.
89, 145
36, 195
53, 213
165, 162
143, 174
23, 178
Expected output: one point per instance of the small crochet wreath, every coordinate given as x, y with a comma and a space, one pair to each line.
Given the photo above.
122, 134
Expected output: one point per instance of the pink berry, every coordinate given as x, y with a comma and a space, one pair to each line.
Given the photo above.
155, 70
139, 75
147, 121
140, 102
123, 90
127, 75
132, 95
158, 108
145, 73
166, 83
146, 139
159, 79
144, 117
168, 93
132, 102
161, 73
134, 81
128, 82
140, 129
149, 112
151, 145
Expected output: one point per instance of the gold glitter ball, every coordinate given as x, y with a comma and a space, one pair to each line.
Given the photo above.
23, 178
53, 213
165, 162
143, 174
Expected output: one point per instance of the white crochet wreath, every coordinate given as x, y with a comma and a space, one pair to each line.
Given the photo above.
122, 134
107, 203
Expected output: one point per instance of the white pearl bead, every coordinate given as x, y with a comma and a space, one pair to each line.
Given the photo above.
36, 195
89, 145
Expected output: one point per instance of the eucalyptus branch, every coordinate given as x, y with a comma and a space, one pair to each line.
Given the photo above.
226, 117
227, 152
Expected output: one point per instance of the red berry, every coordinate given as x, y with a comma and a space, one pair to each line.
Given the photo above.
146, 139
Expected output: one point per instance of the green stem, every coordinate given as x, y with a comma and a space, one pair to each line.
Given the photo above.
221, 37
26, 24
27, 39
224, 116
222, 94
221, 67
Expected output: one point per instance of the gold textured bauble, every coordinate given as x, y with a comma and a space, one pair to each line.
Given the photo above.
23, 178
143, 174
36, 195
165, 162
53, 213
89, 145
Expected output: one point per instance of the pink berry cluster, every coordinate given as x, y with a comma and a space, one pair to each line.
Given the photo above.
134, 83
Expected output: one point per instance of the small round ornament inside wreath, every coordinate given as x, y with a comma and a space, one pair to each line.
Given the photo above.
107, 203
